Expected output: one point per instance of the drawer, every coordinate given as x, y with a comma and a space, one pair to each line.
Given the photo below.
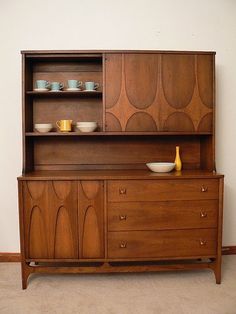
162, 244
162, 190
162, 215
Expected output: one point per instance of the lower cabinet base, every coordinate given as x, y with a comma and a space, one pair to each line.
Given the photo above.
29, 268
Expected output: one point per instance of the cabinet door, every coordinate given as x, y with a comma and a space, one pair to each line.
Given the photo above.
50, 217
131, 83
186, 92
159, 92
91, 219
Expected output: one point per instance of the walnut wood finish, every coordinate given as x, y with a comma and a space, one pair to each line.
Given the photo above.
87, 200
171, 243
162, 215
66, 153
140, 76
50, 217
125, 174
91, 219
217, 268
131, 190
159, 92
50, 107
53, 109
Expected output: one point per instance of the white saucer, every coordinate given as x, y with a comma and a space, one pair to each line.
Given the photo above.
72, 89
40, 89
90, 90
55, 91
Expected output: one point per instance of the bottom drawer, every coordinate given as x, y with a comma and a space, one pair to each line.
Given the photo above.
164, 244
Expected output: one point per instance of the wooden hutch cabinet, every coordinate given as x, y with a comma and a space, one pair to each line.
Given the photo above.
88, 203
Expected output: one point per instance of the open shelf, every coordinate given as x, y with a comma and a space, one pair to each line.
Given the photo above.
114, 133
64, 93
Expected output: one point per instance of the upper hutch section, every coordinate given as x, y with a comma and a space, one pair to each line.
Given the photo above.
143, 91
147, 103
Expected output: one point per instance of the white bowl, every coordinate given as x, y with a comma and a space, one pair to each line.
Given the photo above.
86, 123
161, 166
86, 128
43, 127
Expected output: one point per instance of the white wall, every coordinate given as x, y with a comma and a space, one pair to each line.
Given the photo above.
113, 24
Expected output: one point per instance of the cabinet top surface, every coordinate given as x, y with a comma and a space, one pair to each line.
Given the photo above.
41, 52
117, 174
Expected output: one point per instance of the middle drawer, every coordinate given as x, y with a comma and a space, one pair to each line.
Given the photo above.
162, 215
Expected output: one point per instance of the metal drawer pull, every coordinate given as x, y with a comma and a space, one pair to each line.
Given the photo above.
122, 191
123, 245
204, 188
122, 217
203, 214
202, 242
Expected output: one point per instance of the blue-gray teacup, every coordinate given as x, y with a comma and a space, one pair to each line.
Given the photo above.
89, 86
74, 84
56, 86
42, 84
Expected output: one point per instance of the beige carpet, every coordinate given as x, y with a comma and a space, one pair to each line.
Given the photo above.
160, 293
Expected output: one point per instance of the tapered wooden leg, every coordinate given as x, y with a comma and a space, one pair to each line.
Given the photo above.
217, 270
25, 272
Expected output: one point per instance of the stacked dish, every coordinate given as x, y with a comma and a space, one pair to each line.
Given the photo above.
86, 126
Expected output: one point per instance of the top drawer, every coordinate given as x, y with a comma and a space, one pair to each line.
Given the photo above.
162, 190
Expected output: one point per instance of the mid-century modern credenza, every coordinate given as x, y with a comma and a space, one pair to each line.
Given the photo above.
88, 203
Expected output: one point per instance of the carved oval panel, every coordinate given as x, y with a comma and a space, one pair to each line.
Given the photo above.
90, 189
36, 188
178, 79
37, 236
178, 121
64, 242
141, 79
91, 236
113, 78
206, 123
62, 189
205, 79
141, 122
112, 123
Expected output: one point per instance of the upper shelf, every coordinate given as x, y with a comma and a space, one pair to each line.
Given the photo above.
37, 134
64, 93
